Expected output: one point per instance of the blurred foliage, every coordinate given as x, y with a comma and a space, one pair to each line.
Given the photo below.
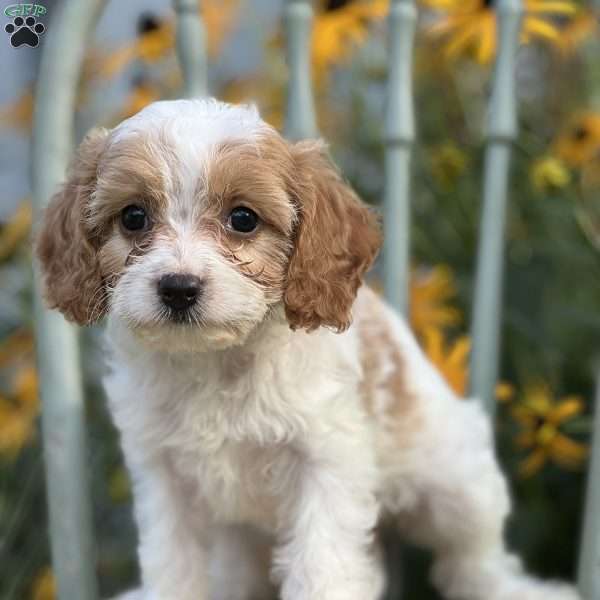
550, 321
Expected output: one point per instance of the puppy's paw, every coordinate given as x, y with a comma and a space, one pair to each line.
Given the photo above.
498, 577
531, 589
341, 589
550, 591
131, 595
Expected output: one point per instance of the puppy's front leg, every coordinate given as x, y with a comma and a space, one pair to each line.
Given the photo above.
326, 523
172, 549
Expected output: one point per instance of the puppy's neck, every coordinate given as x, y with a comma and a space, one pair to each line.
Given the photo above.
181, 344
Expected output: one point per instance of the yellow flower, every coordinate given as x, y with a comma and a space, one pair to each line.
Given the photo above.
430, 314
448, 163
15, 428
549, 173
219, 18
541, 418
470, 26
451, 359
15, 346
142, 94
582, 28
339, 27
590, 178
26, 390
505, 392
19, 406
580, 142
18, 413
44, 585
157, 38
150, 46
267, 93
15, 230
19, 114
430, 294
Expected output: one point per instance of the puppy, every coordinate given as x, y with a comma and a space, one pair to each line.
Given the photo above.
272, 409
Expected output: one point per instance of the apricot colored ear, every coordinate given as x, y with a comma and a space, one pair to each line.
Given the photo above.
337, 240
67, 251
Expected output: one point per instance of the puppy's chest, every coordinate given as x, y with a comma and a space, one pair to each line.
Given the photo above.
232, 445
240, 482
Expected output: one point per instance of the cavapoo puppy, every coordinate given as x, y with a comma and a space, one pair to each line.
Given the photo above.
272, 409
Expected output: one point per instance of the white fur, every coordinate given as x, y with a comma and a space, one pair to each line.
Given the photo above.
273, 435
191, 129
242, 436
199, 123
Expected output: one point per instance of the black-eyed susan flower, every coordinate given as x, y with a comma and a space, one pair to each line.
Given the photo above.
470, 26
19, 114
14, 231
154, 41
19, 403
267, 92
339, 27
219, 18
450, 358
549, 173
431, 292
156, 37
16, 346
18, 413
143, 93
542, 418
580, 141
44, 585
505, 392
583, 27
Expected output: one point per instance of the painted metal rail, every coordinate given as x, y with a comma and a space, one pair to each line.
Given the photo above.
300, 120
57, 348
502, 132
588, 573
399, 138
191, 48
61, 389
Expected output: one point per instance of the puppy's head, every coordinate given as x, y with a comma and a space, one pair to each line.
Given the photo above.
193, 219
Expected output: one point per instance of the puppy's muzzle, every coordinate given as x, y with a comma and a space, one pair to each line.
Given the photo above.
179, 292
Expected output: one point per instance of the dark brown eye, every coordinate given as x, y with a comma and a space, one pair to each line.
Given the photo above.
134, 218
243, 219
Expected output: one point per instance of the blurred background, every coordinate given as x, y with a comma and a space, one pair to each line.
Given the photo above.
551, 321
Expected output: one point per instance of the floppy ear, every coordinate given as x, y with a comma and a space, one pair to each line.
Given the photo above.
337, 240
66, 248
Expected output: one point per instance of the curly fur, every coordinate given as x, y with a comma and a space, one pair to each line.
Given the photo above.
336, 242
264, 447
67, 248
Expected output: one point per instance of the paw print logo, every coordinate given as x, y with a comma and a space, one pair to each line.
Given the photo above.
24, 32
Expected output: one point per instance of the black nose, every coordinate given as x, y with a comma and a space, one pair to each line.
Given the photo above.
179, 292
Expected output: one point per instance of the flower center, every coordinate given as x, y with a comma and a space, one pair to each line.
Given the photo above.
332, 5
546, 434
580, 133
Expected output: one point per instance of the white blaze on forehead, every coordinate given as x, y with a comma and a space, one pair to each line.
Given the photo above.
206, 122
192, 129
